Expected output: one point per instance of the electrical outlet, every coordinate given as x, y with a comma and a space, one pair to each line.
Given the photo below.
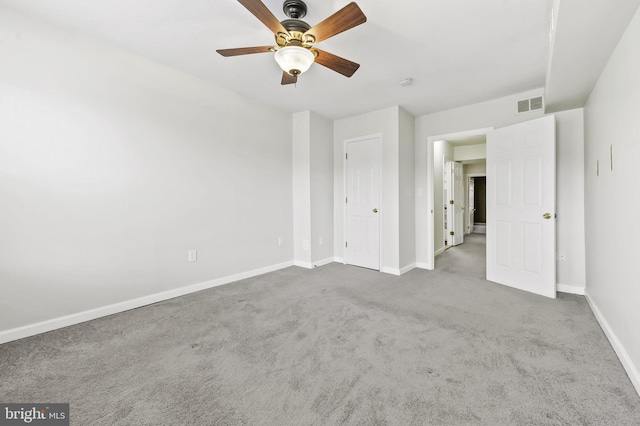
280, 241
193, 256
562, 255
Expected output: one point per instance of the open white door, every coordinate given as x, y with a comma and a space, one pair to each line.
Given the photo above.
472, 201
447, 184
521, 206
458, 204
362, 245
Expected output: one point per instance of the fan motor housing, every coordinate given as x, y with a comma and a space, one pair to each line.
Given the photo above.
296, 25
296, 29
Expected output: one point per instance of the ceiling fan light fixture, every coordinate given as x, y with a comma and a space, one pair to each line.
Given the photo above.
294, 59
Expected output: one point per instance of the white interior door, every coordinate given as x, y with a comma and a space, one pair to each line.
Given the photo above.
521, 206
362, 245
447, 184
472, 201
458, 204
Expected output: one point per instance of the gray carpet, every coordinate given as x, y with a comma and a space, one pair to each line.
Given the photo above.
335, 345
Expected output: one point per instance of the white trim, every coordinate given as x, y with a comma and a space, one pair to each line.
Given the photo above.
323, 262
438, 252
392, 271
72, 319
422, 265
301, 264
625, 359
572, 289
339, 260
407, 268
396, 271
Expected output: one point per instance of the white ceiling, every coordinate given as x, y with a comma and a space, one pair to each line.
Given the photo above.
458, 52
586, 34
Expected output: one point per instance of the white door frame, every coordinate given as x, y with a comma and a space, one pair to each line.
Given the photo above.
378, 137
469, 177
430, 234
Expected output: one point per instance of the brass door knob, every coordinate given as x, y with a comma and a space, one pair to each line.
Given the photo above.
375, 210
547, 215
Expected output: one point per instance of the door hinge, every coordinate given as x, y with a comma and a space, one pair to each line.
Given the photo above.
346, 244
346, 200
452, 233
450, 201
346, 156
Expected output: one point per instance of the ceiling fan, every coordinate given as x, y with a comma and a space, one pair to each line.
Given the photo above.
295, 38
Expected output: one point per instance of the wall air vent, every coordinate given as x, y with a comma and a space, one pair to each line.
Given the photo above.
529, 105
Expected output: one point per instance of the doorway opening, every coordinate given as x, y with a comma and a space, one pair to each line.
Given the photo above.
457, 160
516, 169
429, 200
477, 193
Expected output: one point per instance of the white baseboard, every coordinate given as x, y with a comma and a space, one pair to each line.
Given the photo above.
338, 259
323, 262
423, 265
396, 271
307, 265
625, 359
407, 268
439, 251
392, 271
572, 289
103, 311
311, 265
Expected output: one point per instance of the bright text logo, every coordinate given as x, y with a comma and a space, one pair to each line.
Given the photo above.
34, 414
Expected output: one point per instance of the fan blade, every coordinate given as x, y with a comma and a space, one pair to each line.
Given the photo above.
245, 50
344, 19
260, 11
288, 78
336, 63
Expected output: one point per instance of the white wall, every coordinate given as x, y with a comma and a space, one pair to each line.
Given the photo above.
312, 189
406, 146
469, 152
301, 165
475, 168
612, 199
570, 273
113, 167
321, 184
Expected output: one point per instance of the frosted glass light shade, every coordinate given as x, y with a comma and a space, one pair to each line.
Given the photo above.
294, 59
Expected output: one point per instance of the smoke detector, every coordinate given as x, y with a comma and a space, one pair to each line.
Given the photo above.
406, 82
